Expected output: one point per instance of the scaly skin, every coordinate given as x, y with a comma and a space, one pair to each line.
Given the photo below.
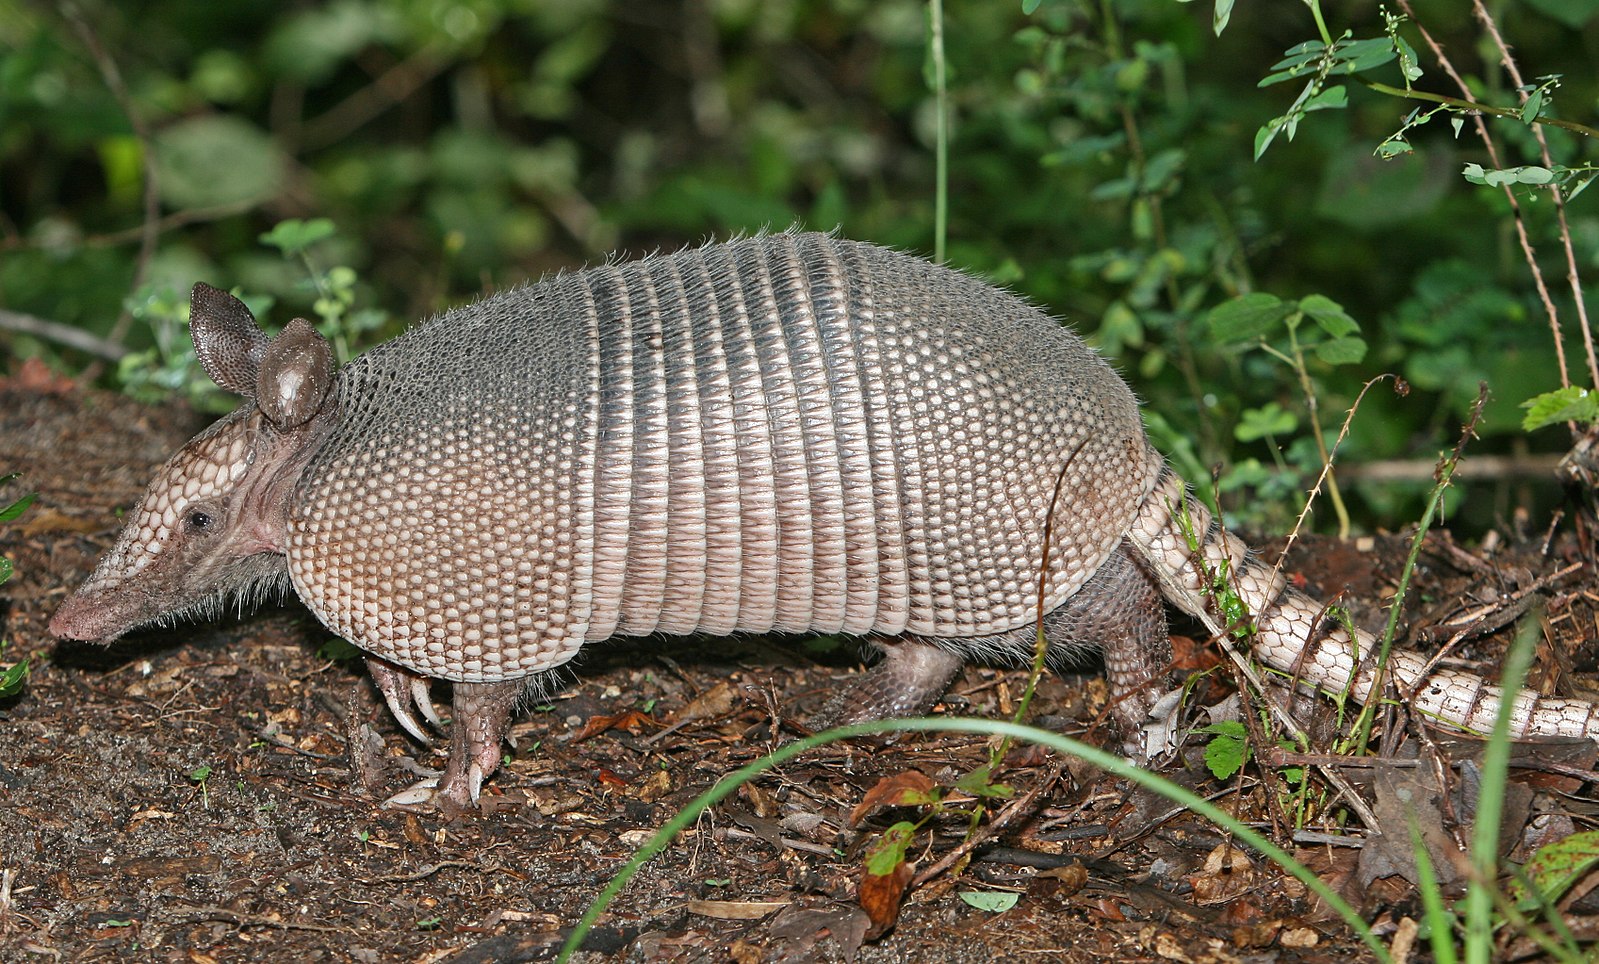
1288, 638
791, 433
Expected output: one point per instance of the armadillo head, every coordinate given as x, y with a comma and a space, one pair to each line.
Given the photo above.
213, 523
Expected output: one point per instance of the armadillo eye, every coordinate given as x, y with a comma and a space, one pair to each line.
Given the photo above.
200, 520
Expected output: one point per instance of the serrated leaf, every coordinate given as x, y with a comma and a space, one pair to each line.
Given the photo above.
1247, 316
1268, 421
1228, 749
1342, 351
1570, 404
1329, 314
992, 901
294, 235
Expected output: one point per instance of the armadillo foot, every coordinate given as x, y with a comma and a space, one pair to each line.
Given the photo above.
907, 682
404, 691
482, 715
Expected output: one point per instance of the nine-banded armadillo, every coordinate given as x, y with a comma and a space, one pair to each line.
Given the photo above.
790, 432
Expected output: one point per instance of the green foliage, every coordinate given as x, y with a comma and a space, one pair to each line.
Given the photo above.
1097, 163
1227, 750
14, 676
992, 901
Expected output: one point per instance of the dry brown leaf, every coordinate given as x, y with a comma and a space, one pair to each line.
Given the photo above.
880, 897
908, 787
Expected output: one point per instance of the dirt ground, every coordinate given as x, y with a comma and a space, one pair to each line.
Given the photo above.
212, 792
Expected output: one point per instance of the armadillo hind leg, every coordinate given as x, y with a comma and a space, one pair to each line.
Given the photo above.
909, 678
1118, 612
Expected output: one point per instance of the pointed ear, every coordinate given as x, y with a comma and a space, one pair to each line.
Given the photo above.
228, 342
296, 375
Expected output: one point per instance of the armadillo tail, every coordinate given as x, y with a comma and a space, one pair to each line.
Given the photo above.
1297, 636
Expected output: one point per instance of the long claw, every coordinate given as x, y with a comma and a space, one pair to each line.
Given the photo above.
404, 691
417, 795
422, 698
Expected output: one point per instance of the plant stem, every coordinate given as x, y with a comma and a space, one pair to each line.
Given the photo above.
1333, 493
1573, 126
941, 148
1321, 24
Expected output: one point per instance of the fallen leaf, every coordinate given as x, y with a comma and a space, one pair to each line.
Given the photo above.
736, 909
903, 789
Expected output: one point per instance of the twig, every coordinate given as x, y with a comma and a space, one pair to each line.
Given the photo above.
387, 89
1021, 805
62, 334
1527, 251
1555, 193
141, 132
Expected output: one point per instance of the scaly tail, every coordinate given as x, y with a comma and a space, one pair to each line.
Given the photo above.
1294, 635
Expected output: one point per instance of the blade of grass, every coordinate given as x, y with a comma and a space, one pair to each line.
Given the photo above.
1093, 755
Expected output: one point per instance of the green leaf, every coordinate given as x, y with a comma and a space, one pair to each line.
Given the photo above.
1575, 14
1330, 315
1224, 13
6, 569
18, 507
889, 851
979, 783
1533, 107
1342, 351
294, 235
993, 901
1571, 404
1556, 867
1247, 317
1268, 421
12, 679
1355, 56
1333, 98
217, 160
1226, 754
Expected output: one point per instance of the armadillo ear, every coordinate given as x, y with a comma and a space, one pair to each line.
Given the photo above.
228, 342
296, 375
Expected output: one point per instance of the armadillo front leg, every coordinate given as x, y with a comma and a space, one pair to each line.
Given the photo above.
404, 691
482, 715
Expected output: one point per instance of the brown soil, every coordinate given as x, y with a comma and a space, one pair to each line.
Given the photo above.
189, 793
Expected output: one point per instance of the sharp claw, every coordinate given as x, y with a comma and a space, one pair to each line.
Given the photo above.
422, 697
417, 795
474, 781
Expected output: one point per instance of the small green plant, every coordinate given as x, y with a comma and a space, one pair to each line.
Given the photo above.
14, 676
334, 287
199, 777
170, 367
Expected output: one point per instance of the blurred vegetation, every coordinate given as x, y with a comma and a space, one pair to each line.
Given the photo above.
1101, 161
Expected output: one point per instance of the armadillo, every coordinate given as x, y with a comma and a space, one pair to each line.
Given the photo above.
791, 432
